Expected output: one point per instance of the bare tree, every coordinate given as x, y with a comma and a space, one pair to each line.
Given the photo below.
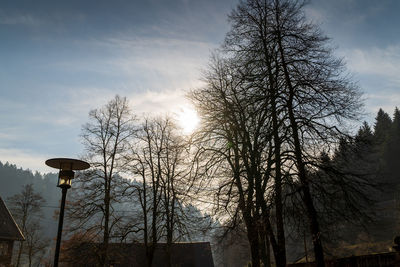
235, 148
146, 164
319, 98
35, 243
286, 68
106, 139
174, 186
26, 208
157, 163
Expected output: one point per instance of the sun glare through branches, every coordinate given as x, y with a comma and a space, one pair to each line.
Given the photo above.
187, 119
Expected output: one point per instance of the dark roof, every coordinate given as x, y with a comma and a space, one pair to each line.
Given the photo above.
134, 255
9, 230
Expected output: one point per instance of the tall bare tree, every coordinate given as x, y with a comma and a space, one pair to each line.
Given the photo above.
157, 163
106, 139
285, 61
235, 147
319, 97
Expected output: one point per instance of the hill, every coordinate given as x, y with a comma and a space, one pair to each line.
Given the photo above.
12, 179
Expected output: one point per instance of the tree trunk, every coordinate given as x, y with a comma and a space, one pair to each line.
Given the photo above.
265, 250
169, 263
21, 244
311, 212
30, 258
280, 232
149, 254
273, 92
19, 253
280, 254
254, 246
169, 241
106, 235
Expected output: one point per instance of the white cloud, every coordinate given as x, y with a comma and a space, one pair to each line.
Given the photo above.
385, 101
153, 73
25, 159
315, 15
379, 69
156, 74
149, 103
377, 61
143, 63
156, 103
167, 63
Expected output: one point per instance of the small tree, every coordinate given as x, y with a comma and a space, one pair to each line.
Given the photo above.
26, 209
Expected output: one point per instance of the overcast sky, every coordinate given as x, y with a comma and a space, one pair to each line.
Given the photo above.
60, 59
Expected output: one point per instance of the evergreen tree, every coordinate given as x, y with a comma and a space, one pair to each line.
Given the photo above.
364, 135
382, 125
394, 134
391, 150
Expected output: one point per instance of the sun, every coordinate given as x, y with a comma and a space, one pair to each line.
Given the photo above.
187, 119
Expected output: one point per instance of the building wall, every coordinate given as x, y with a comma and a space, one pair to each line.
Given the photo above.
6, 247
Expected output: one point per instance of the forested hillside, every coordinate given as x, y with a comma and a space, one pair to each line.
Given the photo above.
381, 156
372, 160
386, 151
12, 180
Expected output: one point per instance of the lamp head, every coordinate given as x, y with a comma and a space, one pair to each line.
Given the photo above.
65, 178
66, 167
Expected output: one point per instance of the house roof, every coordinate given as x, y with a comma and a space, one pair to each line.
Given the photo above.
196, 254
9, 229
352, 250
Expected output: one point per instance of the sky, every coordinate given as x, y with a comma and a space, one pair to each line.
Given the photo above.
61, 59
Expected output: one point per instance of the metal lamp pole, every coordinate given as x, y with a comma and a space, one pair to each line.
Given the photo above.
65, 176
60, 226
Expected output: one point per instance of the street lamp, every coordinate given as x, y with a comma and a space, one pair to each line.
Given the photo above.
65, 176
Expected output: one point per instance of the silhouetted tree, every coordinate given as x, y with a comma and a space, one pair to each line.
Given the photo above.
383, 123
287, 62
158, 162
106, 139
392, 144
234, 149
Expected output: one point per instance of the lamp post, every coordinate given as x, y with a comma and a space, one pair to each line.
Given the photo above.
65, 176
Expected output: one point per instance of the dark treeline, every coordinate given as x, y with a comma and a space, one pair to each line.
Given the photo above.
386, 148
365, 217
375, 150
32, 199
13, 178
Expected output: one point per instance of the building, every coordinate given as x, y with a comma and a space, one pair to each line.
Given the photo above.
196, 254
9, 232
